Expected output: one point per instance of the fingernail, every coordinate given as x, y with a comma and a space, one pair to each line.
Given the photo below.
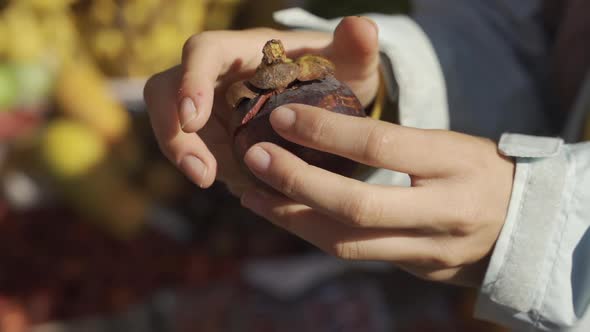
372, 22
257, 159
283, 118
194, 168
188, 112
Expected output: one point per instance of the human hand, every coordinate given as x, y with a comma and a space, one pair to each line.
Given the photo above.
441, 228
187, 106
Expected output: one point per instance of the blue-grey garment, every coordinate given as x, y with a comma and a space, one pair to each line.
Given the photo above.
494, 56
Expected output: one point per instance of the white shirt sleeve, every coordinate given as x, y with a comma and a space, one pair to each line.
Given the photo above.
539, 274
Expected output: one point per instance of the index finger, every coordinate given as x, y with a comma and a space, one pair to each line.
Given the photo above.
212, 54
349, 201
368, 141
186, 150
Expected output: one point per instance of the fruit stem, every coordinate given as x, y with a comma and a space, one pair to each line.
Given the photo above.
273, 53
257, 107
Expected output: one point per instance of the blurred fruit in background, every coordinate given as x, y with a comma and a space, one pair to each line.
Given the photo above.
71, 149
221, 14
82, 94
61, 123
137, 38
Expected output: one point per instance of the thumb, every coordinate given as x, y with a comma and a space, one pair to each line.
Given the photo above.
355, 52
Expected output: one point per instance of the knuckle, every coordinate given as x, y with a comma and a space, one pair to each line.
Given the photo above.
316, 130
480, 157
346, 250
284, 217
189, 45
186, 81
437, 260
167, 149
443, 258
436, 275
358, 211
195, 40
463, 227
464, 220
486, 143
205, 38
377, 141
289, 184
150, 87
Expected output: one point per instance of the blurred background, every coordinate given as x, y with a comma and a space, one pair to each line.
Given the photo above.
98, 232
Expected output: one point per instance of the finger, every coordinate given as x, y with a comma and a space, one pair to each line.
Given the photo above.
336, 238
355, 52
203, 61
219, 143
230, 172
349, 201
376, 143
212, 54
465, 276
186, 151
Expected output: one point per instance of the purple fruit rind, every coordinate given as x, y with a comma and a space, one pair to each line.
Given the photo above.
328, 94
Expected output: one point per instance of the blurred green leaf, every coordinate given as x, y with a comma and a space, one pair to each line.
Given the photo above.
8, 87
34, 81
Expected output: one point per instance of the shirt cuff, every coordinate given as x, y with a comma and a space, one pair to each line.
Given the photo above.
522, 287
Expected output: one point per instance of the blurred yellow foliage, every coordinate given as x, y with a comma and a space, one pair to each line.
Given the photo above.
108, 44
89, 149
82, 94
24, 36
70, 149
32, 30
137, 38
109, 201
132, 38
103, 12
45, 5
137, 13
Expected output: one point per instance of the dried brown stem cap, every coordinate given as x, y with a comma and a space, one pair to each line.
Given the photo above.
278, 81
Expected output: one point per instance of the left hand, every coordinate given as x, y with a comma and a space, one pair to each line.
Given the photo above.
188, 110
441, 228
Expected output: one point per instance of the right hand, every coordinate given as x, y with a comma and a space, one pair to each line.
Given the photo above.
187, 106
